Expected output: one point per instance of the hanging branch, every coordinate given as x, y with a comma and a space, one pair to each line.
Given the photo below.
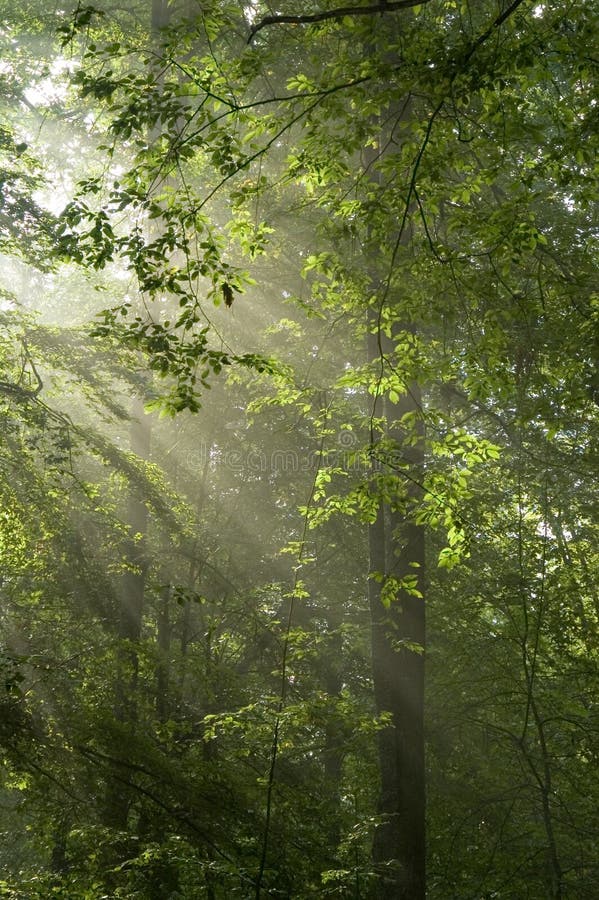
17, 389
338, 13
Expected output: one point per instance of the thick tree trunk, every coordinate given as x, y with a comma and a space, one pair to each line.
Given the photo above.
398, 640
398, 675
396, 547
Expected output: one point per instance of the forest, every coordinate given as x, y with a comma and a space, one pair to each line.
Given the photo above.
299, 386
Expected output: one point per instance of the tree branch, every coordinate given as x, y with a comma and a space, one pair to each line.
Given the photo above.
497, 23
338, 13
18, 392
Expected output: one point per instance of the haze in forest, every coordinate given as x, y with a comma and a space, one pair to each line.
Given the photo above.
298, 451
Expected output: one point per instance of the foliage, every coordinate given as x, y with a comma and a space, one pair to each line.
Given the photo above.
370, 234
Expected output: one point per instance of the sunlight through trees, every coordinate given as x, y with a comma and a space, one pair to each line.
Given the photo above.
298, 451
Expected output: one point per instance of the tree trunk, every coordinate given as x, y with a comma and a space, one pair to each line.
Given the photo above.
163, 705
130, 623
396, 547
398, 640
333, 744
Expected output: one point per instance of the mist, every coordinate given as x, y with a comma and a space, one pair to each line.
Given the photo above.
298, 431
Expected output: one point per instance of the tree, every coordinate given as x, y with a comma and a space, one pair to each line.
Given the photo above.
441, 166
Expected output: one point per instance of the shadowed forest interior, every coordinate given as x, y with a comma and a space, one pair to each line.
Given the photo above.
299, 385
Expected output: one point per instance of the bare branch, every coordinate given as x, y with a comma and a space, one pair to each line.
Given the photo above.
338, 13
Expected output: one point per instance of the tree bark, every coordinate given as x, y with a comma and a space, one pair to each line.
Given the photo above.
398, 641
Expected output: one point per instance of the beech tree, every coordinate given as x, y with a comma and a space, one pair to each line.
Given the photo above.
374, 225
